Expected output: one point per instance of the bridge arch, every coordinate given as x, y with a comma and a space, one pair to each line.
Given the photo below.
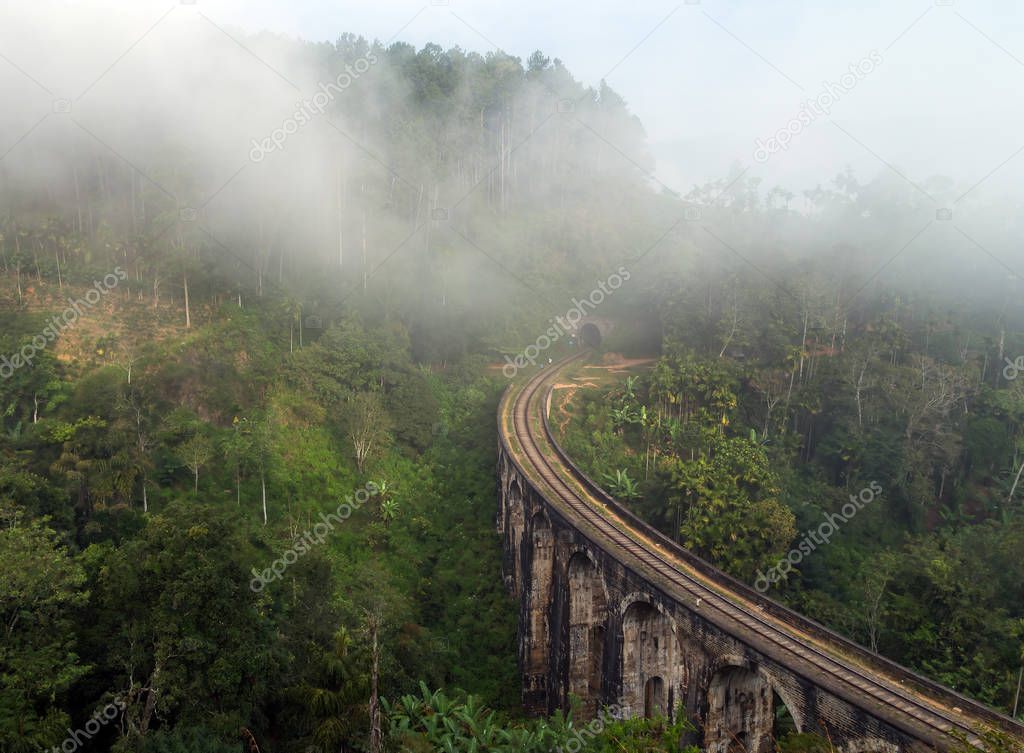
858, 716
654, 697
785, 698
588, 616
782, 694
652, 668
515, 492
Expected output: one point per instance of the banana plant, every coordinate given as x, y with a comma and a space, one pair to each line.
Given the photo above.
621, 485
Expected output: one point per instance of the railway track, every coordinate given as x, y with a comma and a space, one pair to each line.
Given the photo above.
924, 710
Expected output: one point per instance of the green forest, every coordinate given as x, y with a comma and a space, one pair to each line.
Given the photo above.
247, 426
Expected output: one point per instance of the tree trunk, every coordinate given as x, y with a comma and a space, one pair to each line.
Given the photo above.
860, 384
1013, 488
1016, 700
1002, 345
365, 276
78, 199
376, 737
342, 185
803, 344
188, 314
263, 492
150, 707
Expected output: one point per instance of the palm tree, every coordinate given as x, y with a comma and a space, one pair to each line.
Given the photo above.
335, 706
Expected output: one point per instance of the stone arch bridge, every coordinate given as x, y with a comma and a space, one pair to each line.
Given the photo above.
614, 613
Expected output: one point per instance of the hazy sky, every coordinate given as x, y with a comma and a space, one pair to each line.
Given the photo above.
706, 78
709, 78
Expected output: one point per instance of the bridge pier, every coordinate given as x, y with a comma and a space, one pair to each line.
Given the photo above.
740, 714
594, 630
652, 682
587, 622
535, 649
605, 627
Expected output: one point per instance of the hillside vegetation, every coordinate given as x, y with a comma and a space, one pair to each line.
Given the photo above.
247, 430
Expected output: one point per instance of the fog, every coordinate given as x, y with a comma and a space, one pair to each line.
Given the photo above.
166, 110
260, 252
709, 78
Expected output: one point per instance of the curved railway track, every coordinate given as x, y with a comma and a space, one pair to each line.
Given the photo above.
921, 709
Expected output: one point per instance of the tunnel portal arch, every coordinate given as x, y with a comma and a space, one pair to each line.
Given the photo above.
590, 335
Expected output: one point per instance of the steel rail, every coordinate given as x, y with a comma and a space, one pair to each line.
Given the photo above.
733, 606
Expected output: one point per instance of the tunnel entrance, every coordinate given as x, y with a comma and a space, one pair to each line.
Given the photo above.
590, 335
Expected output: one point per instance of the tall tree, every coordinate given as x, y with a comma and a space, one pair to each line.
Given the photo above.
41, 590
367, 425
